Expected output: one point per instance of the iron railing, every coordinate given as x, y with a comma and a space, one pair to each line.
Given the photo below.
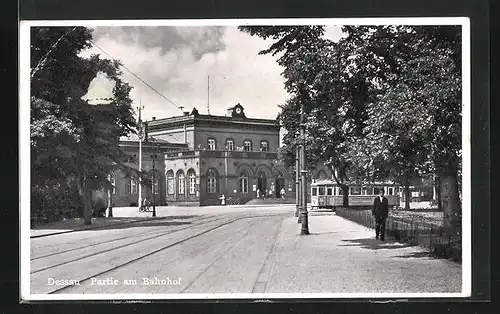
431, 235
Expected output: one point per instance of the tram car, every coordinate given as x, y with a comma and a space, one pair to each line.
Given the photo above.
328, 194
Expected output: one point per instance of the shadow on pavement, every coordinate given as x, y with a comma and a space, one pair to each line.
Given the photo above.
115, 223
374, 244
415, 255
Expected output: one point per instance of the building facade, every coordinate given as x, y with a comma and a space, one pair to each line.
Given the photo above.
198, 158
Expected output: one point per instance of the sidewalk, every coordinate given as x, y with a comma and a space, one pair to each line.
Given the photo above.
340, 256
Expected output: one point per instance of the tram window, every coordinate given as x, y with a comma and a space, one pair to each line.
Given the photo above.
321, 191
329, 191
314, 191
367, 191
390, 191
376, 191
355, 190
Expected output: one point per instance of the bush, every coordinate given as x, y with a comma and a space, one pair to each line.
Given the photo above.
99, 207
53, 202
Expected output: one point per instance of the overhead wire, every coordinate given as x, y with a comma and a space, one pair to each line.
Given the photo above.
136, 76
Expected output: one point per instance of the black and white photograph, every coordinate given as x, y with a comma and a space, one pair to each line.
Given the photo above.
247, 159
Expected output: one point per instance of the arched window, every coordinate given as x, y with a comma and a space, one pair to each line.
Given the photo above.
192, 182
211, 181
264, 146
247, 145
155, 183
181, 182
212, 144
230, 144
170, 182
243, 182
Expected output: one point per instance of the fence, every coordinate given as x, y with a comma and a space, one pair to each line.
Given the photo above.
437, 240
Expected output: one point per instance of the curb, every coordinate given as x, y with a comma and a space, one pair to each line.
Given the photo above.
95, 227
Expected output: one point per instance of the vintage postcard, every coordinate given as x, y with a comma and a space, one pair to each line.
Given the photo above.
248, 159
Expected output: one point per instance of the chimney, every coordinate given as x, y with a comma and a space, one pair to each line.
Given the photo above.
154, 118
230, 111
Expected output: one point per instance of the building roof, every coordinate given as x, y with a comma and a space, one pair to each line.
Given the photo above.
195, 118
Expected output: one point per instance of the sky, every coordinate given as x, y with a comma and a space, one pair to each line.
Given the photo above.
179, 61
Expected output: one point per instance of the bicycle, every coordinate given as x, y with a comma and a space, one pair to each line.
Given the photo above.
145, 208
233, 201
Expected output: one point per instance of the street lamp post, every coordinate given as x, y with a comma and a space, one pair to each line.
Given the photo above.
153, 157
303, 215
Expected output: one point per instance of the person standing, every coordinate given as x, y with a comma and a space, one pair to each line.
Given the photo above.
282, 193
380, 211
223, 199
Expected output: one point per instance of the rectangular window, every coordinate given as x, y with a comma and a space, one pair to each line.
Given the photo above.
322, 190
155, 187
211, 185
367, 190
133, 187
244, 185
230, 145
247, 146
376, 190
329, 191
211, 144
355, 190
170, 185
192, 184
264, 146
390, 191
314, 191
181, 185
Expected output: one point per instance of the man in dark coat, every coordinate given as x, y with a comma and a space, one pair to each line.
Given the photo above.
380, 211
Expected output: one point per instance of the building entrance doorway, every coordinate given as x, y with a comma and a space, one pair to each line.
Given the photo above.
262, 183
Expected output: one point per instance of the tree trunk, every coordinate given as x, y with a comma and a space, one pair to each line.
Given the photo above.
452, 207
110, 203
345, 195
438, 191
86, 198
407, 192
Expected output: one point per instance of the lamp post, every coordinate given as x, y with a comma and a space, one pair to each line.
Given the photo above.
154, 156
141, 138
303, 215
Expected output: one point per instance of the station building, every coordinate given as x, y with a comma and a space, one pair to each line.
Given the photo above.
198, 158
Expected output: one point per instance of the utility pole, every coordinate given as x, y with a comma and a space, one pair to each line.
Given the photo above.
141, 135
303, 215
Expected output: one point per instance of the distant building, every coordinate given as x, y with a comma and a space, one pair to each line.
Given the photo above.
202, 157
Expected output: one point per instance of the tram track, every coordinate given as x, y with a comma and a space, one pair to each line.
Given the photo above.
161, 232
162, 248
158, 234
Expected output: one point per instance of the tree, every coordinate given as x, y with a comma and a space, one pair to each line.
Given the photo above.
70, 138
415, 119
334, 100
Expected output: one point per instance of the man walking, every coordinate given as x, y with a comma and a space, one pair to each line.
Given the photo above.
380, 211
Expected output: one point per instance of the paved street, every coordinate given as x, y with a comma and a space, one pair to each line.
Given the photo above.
233, 250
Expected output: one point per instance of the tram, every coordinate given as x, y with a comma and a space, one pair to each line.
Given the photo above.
328, 194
